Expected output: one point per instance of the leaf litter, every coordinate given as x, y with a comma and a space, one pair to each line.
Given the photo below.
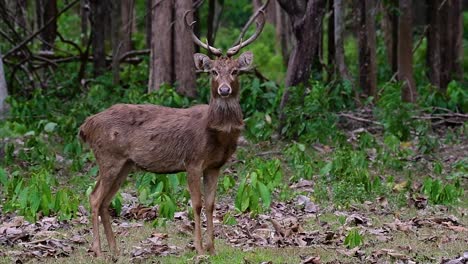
287, 224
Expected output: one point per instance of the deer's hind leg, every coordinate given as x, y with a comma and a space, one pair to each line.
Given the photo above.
104, 210
109, 175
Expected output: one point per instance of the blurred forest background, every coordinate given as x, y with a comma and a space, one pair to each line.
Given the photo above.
352, 101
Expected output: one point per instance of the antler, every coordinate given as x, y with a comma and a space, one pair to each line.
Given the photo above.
260, 17
189, 26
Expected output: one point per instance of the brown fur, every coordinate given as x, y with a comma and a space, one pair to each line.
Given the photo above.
198, 140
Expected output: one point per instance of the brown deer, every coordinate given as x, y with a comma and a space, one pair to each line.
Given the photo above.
198, 140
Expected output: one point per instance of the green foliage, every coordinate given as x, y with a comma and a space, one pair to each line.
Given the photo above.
310, 115
257, 184
440, 193
353, 239
348, 178
300, 161
163, 190
34, 195
394, 114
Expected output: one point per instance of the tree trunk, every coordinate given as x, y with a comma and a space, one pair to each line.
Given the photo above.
84, 14
183, 54
339, 50
433, 42
283, 33
21, 8
306, 19
456, 16
390, 32
331, 33
128, 20
210, 22
162, 64
49, 34
3, 90
367, 48
149, 22
98, 15
405, 52
117, 43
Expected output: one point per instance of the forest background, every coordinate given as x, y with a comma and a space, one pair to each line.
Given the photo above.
355, 145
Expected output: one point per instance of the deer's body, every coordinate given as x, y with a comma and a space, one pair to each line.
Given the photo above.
161, 139
198, 140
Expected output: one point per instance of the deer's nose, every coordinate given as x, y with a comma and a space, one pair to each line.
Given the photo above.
224, 90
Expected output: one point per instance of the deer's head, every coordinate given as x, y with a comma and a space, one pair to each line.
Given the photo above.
224, 72
225, 69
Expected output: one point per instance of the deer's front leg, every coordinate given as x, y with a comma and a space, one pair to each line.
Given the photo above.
210, 180
194, 178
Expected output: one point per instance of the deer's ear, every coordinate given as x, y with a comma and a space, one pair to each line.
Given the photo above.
202, 62
245, 61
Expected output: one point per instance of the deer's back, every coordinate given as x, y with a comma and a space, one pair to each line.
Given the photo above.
155, 138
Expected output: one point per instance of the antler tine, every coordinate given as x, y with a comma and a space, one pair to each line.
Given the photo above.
260, 24
189, 26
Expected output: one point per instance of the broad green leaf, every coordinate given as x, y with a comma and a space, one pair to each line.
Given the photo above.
264, 194
50, 127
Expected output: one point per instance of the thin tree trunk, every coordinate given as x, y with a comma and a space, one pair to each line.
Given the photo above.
84, 14
149, 22
117, 44
210, 22
3, 90
433, 42
390, 32
98, 14
183, 54
405, 53
457, 39
21, 8
283, 33
339, 50
128, 20
331, 33
367, 48
162, 63
49, 34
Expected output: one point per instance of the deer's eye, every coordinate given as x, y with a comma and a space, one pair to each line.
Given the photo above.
215, 73
234, 72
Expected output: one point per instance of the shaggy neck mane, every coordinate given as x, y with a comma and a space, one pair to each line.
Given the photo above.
225, 115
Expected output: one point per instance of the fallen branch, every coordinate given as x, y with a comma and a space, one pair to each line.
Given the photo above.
360, 119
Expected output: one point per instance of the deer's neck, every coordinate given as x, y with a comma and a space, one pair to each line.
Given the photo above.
225, 115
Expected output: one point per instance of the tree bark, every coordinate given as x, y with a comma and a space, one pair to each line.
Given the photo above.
367, 48
405, 52
433, 42
3, 90
341, 67
21, 8
162, 64
149, 22
128, 21
283, 33
184, 68
331, 33
117, 43
49, 34
98, 21
210, 22
306, 19
390, 32
84, 14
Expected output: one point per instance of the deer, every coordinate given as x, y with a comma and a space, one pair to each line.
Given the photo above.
198, 140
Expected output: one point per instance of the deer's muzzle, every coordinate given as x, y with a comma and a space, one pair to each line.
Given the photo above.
224, 90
